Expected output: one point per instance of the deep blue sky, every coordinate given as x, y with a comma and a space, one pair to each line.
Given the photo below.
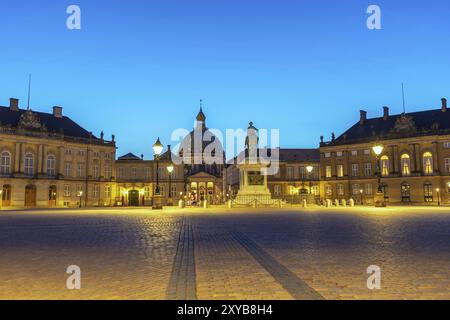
138, 68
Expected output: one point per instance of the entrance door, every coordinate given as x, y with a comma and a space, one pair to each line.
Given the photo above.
406, 192
6, 196
133, 198
30, 196
52, 196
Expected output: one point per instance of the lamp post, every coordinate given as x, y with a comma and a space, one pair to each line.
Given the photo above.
170, 168
379, 197
361, 191
310, 169
1, 198
438, 191
157, 149
80, 195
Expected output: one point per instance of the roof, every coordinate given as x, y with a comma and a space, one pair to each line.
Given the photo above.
38, 121
130, 156
398, 126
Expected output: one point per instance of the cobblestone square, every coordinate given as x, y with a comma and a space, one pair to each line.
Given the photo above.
226, 254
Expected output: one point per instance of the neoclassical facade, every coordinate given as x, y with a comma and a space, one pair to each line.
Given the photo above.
414, 165
48, 160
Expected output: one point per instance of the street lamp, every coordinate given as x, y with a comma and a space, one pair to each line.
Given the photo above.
157, 149
170, 168
438, 191
379, 198
361, 191
80, 195
310, 169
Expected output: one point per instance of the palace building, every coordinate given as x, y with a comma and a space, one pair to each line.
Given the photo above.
414, 165
46, 159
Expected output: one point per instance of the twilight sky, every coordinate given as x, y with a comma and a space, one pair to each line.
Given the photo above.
138, 68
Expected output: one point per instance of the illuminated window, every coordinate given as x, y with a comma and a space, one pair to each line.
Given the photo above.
340, 170
447, 165
329, 190
67, 191
428, 163
369, 189
107, 191
385, 167
340, 189
406, 192
327, 155
339, 154
354, 153
277, 190
355, 170
5, 163
428, 192
328, 171
355, 189
406, 164
448, 187
368, 169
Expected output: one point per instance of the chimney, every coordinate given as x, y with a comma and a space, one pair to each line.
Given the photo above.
385, 113
444, 104
362, 117
14, 104
57, 112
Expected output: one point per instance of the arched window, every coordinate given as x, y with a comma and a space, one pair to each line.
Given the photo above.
406, 192
428, 163
385, 166
29, 164
428, 192
51, 165
5, 163
406, 164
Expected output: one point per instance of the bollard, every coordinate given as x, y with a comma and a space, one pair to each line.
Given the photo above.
205, 204
181, 204
328, 203
351, 203
230, 204
336, 203
343, 202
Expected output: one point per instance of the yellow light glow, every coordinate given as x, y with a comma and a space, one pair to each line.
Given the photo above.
378, 149
437, 189
170, 168
158, 147
309, 169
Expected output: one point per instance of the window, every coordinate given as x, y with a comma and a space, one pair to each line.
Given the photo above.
329, 190
68, 152
120, 172
339, 154
162, 191
446, 145
366, 152
327, 154
428, 163
107, 191
368, 169
67, 191
95, 190
406, 192
447, 165
428, 192
369, 189
303, 174
340, 189
328, 171
148, 173
96, 154
173, 191
277, 190
79, 190
95, 172
51, 165
355, 170
134, 173
147, 191
29, 164
340, 170
5, 163
355, 189
80, 170
68, 170
406, 164
162, 172
354, 153
107, 172
290, 172
385, 167
81, 153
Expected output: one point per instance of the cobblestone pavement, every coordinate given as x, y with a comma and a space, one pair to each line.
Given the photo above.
223, 254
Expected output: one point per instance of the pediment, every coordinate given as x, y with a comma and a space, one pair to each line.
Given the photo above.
202, 175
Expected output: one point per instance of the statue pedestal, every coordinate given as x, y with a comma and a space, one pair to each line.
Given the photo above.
379, 200
253, 188
157, 203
